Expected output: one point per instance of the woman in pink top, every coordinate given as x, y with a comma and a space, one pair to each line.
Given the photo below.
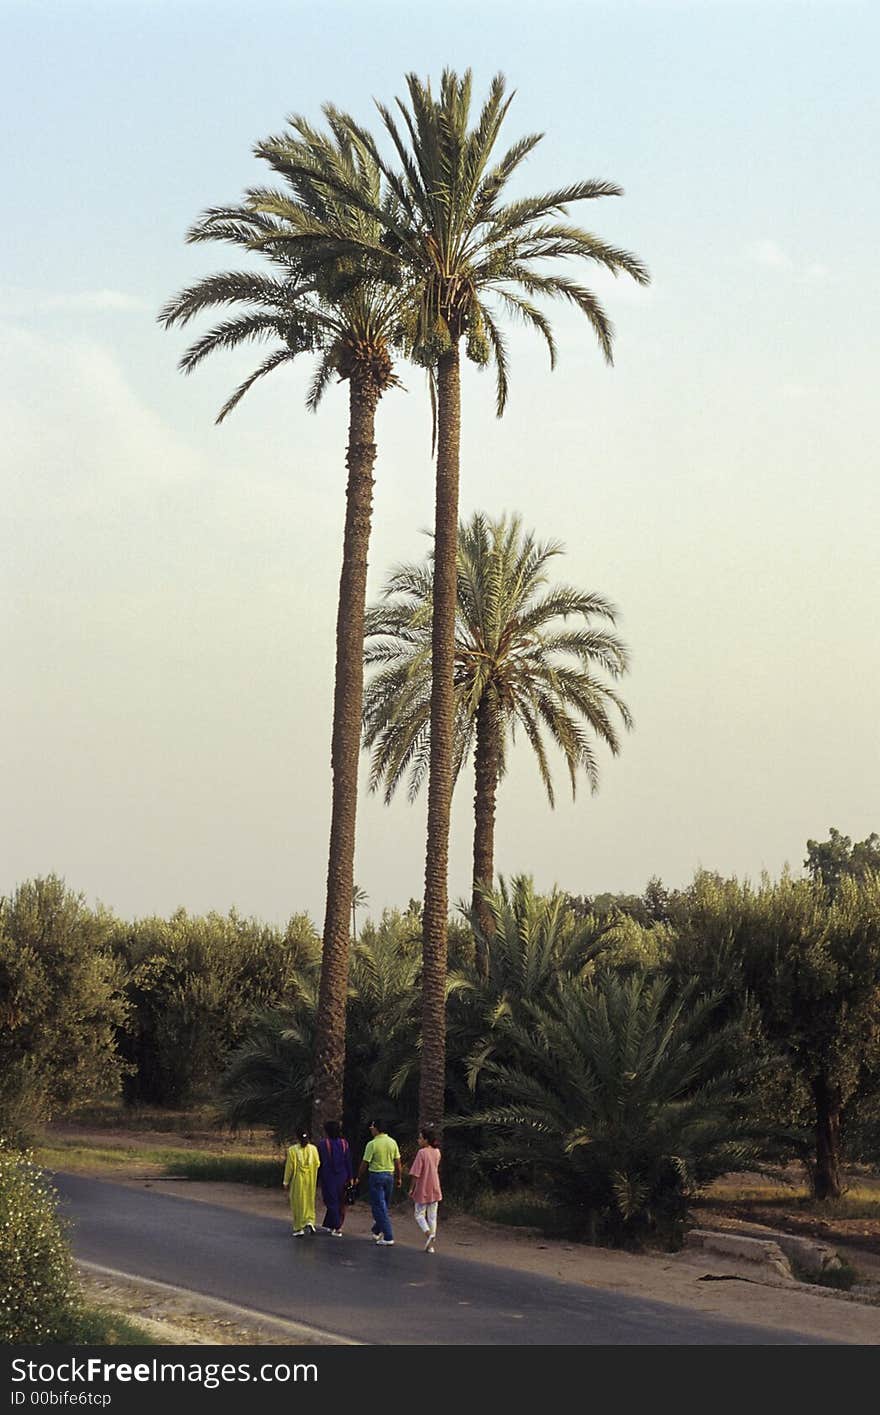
424, 1188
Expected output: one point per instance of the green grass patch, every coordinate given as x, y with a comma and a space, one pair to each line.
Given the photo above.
859, 1202
114, 1115
64, 1154
524, 1209
842, 1278
856, 1203
98, 1326
518, 1209
232, 1169
74, 1155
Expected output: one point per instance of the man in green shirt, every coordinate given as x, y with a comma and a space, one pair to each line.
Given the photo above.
381, 1165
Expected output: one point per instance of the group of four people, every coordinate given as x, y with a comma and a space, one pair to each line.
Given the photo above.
329, 1163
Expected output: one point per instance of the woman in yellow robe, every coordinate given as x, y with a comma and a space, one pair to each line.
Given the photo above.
300, 1180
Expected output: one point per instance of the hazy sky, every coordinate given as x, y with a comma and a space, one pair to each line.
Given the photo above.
169, 587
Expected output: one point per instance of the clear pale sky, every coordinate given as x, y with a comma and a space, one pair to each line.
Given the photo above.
169, 587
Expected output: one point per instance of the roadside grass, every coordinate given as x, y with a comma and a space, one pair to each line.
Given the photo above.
98, 1326
114, 1115
68, 1154
522, 1208
233, 1169
79, 1157
859, 1202
199, 1123
842, 1278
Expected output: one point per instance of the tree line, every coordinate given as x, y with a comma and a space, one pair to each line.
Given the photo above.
616, 1052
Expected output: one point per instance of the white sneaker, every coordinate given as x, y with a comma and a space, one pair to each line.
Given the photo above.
298, 1233
376, 1237
429, 1242
385, 1242
335, 1232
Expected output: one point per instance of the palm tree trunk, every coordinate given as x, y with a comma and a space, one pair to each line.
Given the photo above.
486, 763
329, 1063
827, 1180
432, 1083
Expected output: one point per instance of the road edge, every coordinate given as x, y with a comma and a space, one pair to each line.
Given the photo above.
217, 1305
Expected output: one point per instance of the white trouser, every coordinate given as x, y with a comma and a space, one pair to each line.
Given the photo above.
426, 1217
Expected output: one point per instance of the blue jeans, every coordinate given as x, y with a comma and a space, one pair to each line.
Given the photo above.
381, 1189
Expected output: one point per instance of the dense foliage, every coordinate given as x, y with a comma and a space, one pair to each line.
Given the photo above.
194, 984
628, 1097
612, 1053
61, 1004
837, 858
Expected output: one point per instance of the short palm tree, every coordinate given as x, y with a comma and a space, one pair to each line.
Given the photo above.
269, 1077
469, 253
628, 1096
534, 943
518, 662
347, 318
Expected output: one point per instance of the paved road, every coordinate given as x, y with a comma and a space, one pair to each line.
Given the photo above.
367, 1293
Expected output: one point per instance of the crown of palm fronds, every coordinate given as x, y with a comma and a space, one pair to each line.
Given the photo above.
342, 310
512, 643
447, 232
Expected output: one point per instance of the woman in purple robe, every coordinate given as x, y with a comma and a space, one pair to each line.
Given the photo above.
334, 1176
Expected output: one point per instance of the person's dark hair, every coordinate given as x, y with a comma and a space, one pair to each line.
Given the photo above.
430, 1135
332, 1129
378, 1125
303, 1136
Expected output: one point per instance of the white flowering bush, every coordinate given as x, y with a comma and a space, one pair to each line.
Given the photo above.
39, 1294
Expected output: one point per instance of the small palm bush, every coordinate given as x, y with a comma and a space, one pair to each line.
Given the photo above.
268, 1079
624, 1097
39, 1296
535, 941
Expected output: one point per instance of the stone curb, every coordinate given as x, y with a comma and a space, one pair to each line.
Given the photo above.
763, 1255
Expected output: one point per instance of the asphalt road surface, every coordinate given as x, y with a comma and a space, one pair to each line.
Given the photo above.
366, 1293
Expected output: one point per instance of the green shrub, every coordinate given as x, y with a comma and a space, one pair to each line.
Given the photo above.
811, 964
60, 1005
624, 1098
194, 983
39, 1294
268, 1079
97, 1326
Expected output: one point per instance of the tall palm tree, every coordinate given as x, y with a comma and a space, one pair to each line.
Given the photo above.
470, 253
347, 317
516, 663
